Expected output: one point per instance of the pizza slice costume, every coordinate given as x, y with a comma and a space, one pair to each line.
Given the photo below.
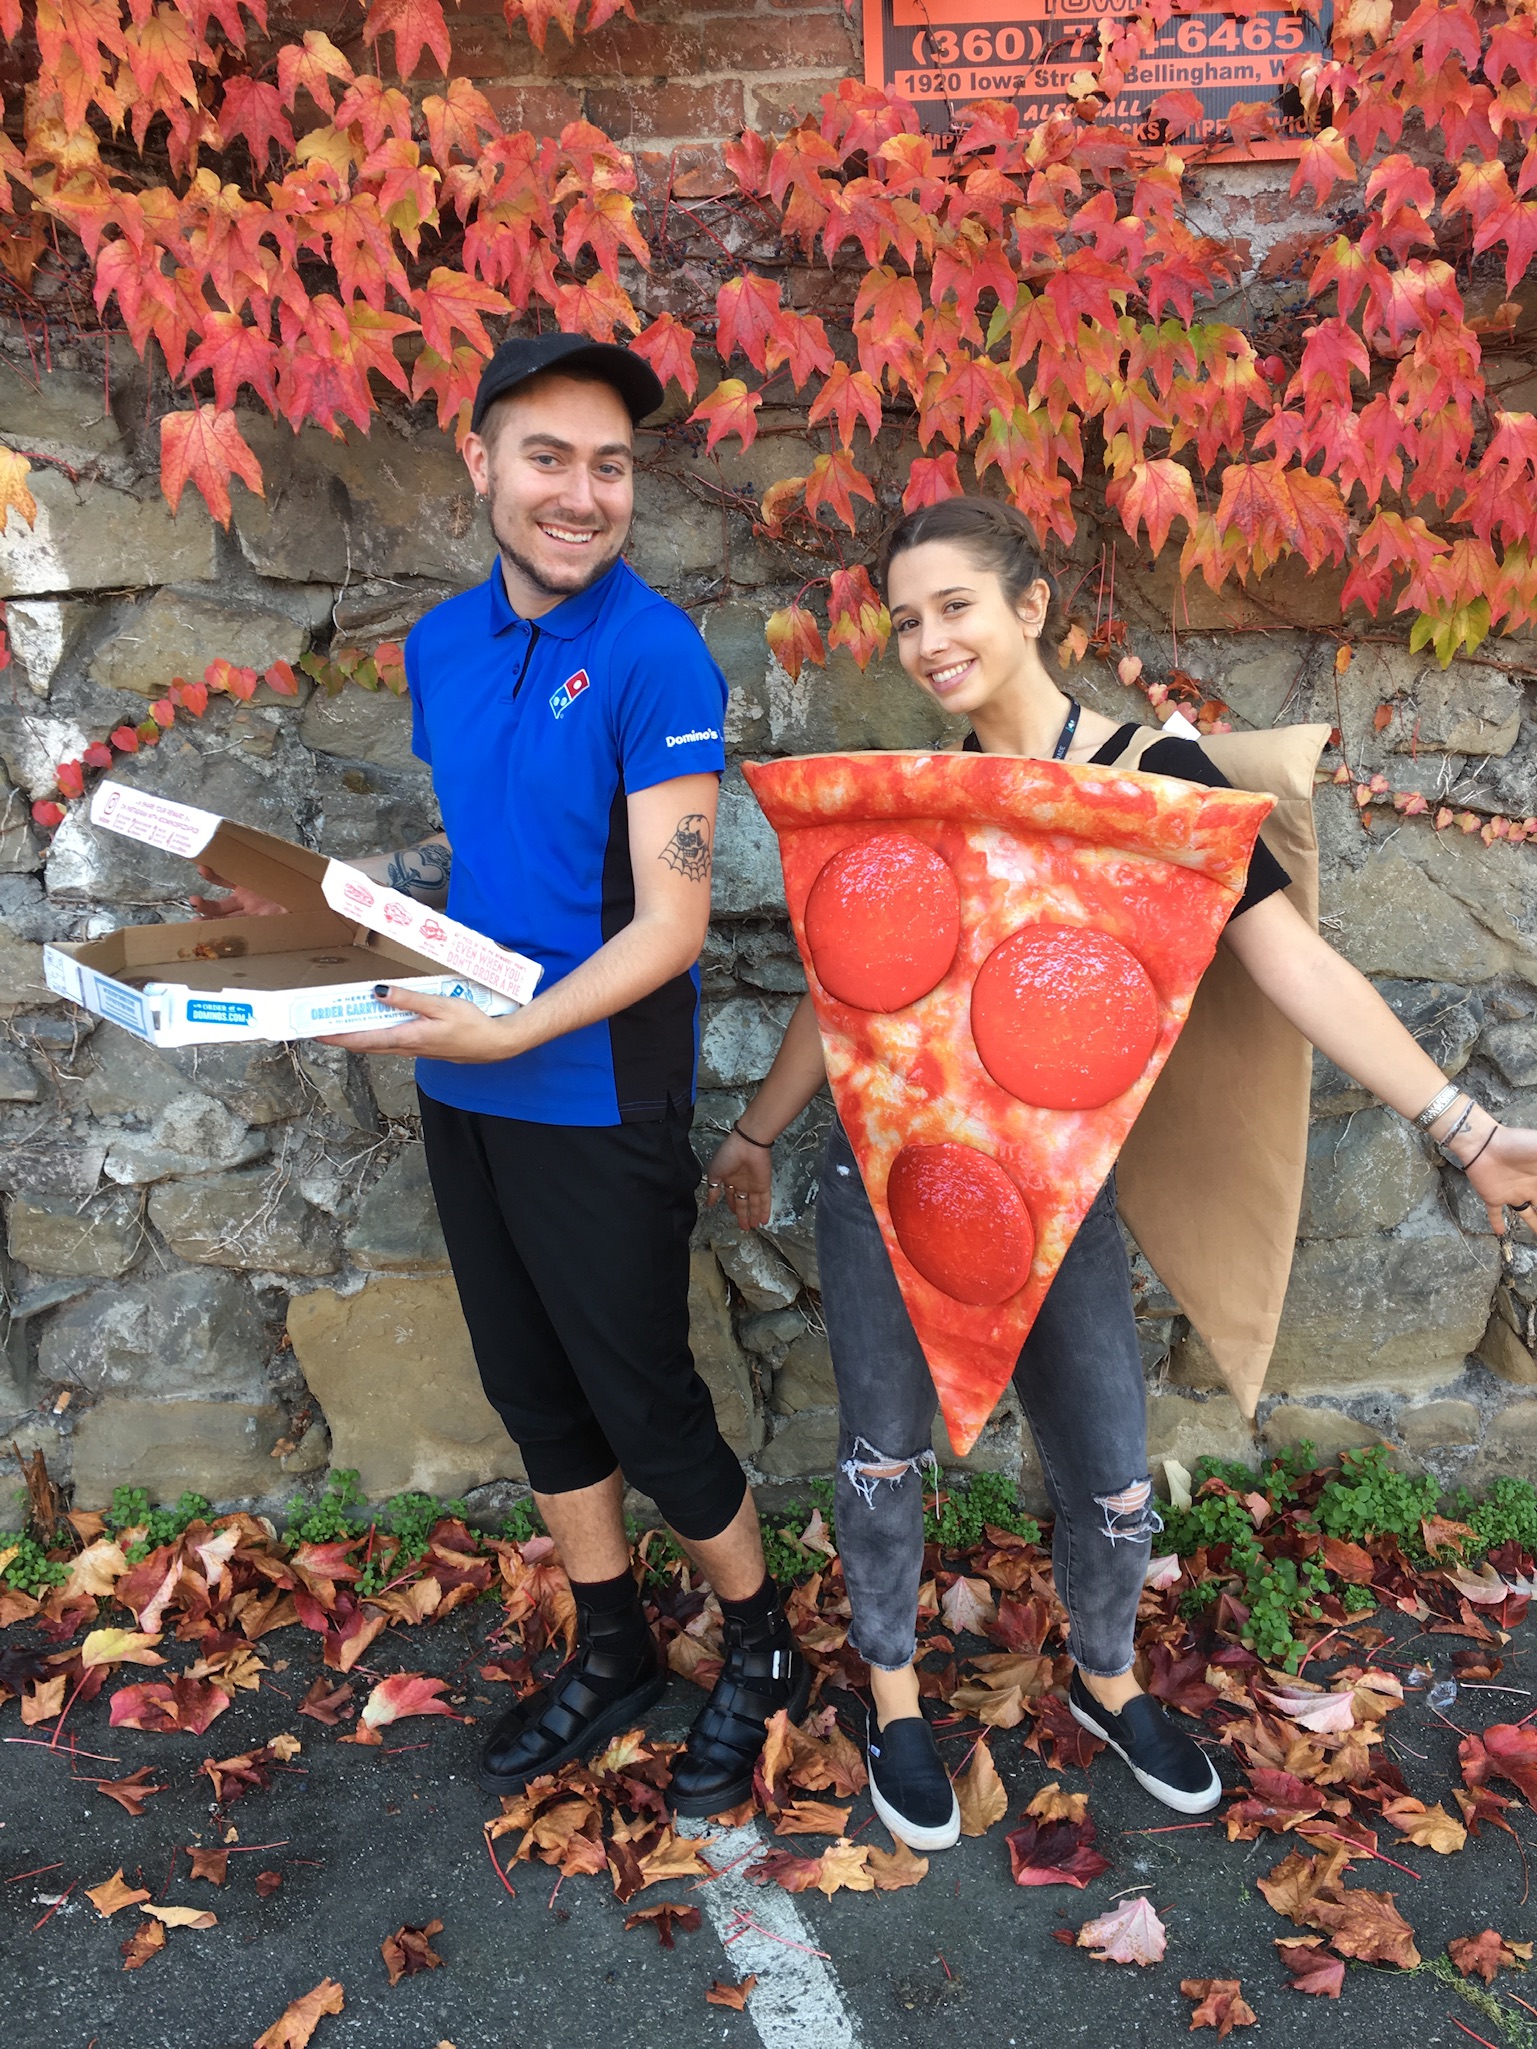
1003, 955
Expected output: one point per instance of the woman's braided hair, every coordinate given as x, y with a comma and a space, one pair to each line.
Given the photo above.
995, 536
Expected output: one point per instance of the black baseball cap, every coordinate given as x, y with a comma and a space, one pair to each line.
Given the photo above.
526, 355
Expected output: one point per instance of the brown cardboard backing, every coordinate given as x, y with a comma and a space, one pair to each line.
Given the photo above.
1210, 1177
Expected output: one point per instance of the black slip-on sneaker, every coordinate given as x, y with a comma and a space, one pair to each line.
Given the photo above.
910, 1786
1159, 1755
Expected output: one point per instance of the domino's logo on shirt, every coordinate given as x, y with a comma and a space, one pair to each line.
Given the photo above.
568, 693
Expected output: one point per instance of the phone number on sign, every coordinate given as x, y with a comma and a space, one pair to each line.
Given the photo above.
936, 50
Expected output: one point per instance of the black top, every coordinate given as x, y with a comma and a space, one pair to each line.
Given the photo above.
1186, 760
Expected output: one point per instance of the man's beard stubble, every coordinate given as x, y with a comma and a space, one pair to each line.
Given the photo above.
540, 582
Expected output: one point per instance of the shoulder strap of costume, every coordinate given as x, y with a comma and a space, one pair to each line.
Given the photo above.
1210, 1177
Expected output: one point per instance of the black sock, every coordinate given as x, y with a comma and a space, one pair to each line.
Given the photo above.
757, 1611
607, 1597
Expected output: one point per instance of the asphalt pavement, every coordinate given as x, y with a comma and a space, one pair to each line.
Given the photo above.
365, 1840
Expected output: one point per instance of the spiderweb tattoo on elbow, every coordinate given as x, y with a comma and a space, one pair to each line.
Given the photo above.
688, 851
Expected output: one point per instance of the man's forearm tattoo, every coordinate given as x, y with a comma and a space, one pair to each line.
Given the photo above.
421, 872
688, 851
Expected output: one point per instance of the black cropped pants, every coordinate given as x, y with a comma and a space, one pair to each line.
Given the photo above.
569, 1245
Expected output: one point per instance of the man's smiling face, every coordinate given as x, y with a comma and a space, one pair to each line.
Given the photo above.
555, 462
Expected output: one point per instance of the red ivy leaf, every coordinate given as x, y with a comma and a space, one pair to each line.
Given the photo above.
730, 409
795, 639
668, 346
206, 448
857, 618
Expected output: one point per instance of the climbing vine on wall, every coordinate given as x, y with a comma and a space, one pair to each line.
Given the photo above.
308, 228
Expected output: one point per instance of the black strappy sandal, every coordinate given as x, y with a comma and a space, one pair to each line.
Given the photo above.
762, 1673
568, 1718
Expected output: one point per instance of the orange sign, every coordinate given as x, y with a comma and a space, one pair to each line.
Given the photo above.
942, 54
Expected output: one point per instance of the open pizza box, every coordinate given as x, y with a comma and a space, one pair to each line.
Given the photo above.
304, 974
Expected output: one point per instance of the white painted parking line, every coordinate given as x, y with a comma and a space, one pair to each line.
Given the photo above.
797, 2002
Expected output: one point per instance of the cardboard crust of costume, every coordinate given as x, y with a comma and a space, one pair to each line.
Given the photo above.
1209, 1180
1002, 954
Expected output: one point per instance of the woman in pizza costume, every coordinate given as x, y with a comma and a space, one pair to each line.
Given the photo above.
1209, 1174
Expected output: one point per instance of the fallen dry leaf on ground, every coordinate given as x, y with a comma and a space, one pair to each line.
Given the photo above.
1052, 1804
1366, 1925
120, 1646
299, 2020
666, 1915
968, 1606
410, 1950
997, 1707
1313, 1969
1488, 1953
845, 1868
115, 1893
1324, 1713
1131, 1934
42, 1701
1219, 2004
1055, 1853
212, 1864
734, 1996
147, 1940
980, 1792
267, 1883
326, 1703
1428, 1828
132, 1792
1511, 1748
812, 1818
182, 1917
407, 1693
188, 1705
897, 1868
784, 1869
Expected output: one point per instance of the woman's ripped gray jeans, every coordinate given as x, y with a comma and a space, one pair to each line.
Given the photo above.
1080, 1380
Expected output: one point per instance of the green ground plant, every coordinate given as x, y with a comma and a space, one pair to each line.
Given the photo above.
960, 1515
1371, 1499
1507, 1515
130, 1510
27, 1567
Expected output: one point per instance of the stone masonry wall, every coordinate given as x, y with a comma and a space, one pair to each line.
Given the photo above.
221, 1266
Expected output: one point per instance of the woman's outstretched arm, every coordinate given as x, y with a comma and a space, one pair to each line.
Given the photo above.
744, 1170
1332, 1004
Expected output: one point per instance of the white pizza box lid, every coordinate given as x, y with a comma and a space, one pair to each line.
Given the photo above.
303, 882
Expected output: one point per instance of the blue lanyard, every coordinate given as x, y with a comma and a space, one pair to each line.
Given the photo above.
1069, 728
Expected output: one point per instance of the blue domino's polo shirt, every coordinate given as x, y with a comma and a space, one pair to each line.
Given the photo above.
536, 731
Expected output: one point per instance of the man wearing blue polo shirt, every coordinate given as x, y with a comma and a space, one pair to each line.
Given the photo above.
573, 721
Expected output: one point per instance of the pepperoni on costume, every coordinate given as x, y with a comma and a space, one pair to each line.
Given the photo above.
961, 1221
883, 920
1064, 1017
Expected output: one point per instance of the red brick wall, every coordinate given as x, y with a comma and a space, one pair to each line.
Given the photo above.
683, 77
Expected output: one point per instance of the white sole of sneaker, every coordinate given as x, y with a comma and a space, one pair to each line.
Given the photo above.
1171, 1796
945, 1837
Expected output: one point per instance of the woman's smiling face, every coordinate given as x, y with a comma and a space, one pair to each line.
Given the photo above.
957, 634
